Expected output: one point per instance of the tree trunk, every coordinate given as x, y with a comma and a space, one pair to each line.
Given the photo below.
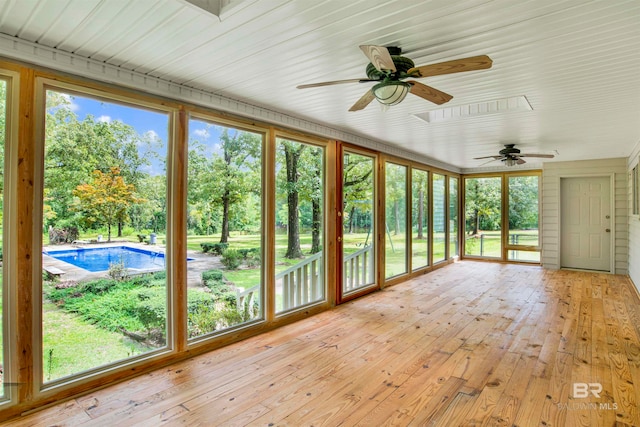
119, 228
224, 236
420, 214
476, 222
396, 210
109, 232
293, 222
352, 214
316, 224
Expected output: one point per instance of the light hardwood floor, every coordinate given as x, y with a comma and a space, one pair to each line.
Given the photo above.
473, 343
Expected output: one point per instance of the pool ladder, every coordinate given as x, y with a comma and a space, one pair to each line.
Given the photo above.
157, 255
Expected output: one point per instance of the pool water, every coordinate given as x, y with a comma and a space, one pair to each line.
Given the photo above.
98, 259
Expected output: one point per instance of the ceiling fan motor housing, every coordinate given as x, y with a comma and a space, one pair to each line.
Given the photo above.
509, 150
402, 63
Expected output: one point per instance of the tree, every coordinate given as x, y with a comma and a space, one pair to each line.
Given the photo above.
420, 182
357, 188
105, 199
75, 148
292, 153
395, 194
482, 204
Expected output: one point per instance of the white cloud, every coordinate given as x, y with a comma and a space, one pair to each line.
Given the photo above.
152, 134
203, 133
104, 119
72, 105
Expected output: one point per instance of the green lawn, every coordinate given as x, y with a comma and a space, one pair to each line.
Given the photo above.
74, 346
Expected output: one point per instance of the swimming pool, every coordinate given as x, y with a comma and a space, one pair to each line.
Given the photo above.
98, 259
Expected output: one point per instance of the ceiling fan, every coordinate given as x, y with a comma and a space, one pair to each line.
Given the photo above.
390, 69
512, 156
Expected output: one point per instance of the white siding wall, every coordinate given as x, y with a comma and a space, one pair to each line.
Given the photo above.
634, 225
551, 210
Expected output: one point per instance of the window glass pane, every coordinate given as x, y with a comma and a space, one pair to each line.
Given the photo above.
439, 218
420, 218
224, 235
299, 225
104, 282
483, 217
453, 217
396, 220
3, 103
358, 195
523, 210
523, 256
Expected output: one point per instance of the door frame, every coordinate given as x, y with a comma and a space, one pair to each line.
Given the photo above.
340, 296
612, 203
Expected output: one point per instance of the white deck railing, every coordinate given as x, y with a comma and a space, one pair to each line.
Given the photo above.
357, 269
303, 283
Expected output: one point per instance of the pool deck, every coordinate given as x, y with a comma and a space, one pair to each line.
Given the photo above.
201, 262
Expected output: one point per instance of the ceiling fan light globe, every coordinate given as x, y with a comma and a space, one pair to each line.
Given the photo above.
391, 93
510, 161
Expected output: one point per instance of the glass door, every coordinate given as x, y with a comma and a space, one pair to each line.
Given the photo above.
358, 232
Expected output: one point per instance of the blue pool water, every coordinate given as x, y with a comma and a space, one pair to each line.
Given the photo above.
98, 259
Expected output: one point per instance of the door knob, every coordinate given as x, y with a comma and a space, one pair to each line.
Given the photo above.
608, 230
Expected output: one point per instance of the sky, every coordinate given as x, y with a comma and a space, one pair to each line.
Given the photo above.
145, 122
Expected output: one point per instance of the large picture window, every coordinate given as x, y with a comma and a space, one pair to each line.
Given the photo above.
3, 129
300, 244
224, 227
420, 218
439, 223
104, 291
395, 219
483, 222
524, 210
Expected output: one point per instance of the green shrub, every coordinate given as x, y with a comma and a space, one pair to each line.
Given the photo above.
231, 259
246, 252
214, 248
98, 286
211, 278
151, 308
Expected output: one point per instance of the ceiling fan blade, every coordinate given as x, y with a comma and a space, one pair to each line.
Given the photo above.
519, 161
481, 62
486, 163
542, 156
430, 94
363, 101
335, 82
379, 57
488, 157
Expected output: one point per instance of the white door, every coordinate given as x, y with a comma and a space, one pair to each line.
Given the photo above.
585, 224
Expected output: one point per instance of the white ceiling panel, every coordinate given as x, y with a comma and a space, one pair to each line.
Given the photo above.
576, 62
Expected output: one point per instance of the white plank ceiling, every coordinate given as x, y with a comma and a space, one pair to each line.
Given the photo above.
576, 61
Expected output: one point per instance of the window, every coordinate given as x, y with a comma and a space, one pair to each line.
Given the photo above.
395, 219
524, 240
104, 291
439, 218
224, 227
359, 215
3, 248
453, 217
483, 217
420, 218
299, 224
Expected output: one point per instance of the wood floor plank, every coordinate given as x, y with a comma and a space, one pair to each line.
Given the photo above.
474, 343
